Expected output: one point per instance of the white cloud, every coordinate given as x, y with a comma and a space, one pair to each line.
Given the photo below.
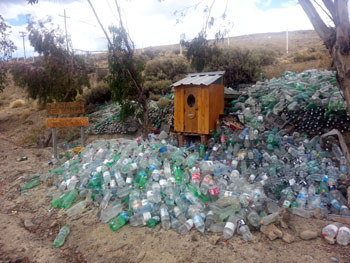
151, 22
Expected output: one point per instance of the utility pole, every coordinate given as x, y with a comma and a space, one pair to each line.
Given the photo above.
65, 27
287, 40
23, 34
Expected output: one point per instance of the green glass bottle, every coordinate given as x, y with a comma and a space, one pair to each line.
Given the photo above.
202, 151
61, 237
119, 221
30, 185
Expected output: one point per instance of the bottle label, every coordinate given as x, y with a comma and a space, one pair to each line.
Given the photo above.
190, 223
210, 213
286, 203
230, 225
196, 177
149, 194
135, 204
215, 148
128, 180
162, 182
144, 202
147, 216
209, 163
125, 161
241, 222
302, 196
164, 212
133, 166
213, 191
206, 179
228, 193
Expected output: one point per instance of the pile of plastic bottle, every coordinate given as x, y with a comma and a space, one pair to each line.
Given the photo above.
233, 184
238, 181
311, 101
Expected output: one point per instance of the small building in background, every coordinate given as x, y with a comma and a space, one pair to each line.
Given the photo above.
198, 102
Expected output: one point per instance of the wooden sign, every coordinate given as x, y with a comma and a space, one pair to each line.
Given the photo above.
67, 122
65, 108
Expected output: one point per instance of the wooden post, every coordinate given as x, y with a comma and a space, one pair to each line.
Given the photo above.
181, 140
54, 142
82, 134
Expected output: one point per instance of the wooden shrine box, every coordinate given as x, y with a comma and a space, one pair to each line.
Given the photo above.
198, 102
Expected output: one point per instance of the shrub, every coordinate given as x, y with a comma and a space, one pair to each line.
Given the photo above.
101, 73
163, 102
242, 66
303, 57
161, 72
97, 95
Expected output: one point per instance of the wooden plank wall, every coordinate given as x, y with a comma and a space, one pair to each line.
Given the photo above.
179, 109
203, 110
216, 102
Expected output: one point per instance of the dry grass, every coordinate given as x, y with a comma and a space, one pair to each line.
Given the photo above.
17, 103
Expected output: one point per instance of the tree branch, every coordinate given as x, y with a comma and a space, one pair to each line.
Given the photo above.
99, 22
329, 4
326, 33
341, 9
330, 17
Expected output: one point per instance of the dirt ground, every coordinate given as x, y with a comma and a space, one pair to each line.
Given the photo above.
28, 225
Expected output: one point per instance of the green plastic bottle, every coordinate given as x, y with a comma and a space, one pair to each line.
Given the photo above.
30, 185
119, 221
68, 200
61, 237
177, 174
57, 202
151, 223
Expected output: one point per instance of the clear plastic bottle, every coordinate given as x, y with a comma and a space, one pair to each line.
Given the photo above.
179, 214
331, 230
253, 217
195, 176
204, 188
198, 222
243, 230
343, 237
164, 217
110, 212
185, 228
210, 219
230, 227
302, 197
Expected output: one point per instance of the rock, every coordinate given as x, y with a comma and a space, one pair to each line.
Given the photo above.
284, 219
330, 240
214, 239
333, 259
53, 224
308, 235
318, 213
28, 224
267, 230
288, 238
272, 236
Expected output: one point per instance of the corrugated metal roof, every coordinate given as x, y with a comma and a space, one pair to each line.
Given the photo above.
204, 78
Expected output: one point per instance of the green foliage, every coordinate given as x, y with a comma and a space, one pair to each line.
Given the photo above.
58, 76
161, 72
97, 95
6, 49
241, 65
125, 78
200, 53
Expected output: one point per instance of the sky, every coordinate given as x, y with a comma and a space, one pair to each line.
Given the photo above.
153, 22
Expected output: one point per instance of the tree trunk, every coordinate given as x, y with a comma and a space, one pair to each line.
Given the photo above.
145, 122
